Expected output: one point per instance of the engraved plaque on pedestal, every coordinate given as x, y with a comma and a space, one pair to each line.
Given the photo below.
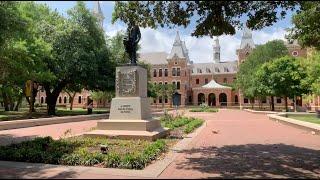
131, 81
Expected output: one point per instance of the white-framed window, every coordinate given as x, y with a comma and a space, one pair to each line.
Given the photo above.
217, 69
178, 84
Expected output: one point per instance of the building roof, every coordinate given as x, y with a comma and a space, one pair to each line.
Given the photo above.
246, 39
154, 58
214, 85
178, 49
214, 68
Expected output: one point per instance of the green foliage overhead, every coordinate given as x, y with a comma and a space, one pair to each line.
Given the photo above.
312, 64
212, 18
307, 25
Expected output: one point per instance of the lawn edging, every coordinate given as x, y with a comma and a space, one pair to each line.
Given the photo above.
279, 117
15, 124
153, 170
260, 112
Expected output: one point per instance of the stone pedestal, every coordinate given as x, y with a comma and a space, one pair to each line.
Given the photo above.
130, 116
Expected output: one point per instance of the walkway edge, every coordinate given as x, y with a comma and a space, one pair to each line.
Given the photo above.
296, 123
16, 124
151, 171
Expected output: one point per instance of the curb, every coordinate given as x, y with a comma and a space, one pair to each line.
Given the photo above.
151, 171
314, 128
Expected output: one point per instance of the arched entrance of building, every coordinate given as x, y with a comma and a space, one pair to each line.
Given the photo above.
176, 99
201, 98
223, 99
236, 100
212, 99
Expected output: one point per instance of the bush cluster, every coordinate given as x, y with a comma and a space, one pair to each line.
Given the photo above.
188, 124
76, 152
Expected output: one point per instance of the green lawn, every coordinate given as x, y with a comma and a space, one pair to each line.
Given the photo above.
307, 117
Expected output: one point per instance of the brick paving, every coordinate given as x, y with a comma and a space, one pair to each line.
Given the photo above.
234, 144
239, 144
54, 130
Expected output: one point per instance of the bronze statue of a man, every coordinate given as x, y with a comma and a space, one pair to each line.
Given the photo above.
131, 41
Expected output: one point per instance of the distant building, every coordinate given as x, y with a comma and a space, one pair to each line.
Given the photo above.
207, 83
196, 83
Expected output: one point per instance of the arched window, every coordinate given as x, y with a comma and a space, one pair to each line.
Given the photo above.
295, 53
206, 81
79, 99
165, 72
160, 99
223, 99
65, 100
236, 99
246, 100
178, 85
154, 73
41, 100
197, 81
174, 71
178, 71
160, 72
60, 100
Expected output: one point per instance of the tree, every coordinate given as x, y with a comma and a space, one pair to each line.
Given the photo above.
285, 76
213, 18
163, 91
246, 78
21, 54
306, 25
103, 96
79, 54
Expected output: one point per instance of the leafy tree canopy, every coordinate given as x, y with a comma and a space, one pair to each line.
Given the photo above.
212, 18
307, 25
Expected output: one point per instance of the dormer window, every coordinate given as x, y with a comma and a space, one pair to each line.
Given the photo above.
199, 70
208, 70
217, 69
226, 69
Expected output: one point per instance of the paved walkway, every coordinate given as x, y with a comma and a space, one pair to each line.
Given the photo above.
54, 130
238, 144
234, 144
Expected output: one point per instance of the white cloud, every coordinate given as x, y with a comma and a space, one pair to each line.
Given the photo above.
200, 49
112, 29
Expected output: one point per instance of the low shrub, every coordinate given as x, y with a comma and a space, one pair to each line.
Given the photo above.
190, 127
83, 151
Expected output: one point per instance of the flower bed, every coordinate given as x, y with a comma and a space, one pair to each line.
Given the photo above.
129, 154
184, 124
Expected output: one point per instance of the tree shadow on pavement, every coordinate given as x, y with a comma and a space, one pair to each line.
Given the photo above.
35, 172
254, 160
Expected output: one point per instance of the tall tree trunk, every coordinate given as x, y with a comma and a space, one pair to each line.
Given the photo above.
18, 103
5, 101
286, 103
71, 96
272, 103
53, 96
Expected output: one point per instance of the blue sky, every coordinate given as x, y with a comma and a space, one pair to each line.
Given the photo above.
200, 49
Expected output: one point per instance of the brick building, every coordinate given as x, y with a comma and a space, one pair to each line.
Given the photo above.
196, 83
208, 83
